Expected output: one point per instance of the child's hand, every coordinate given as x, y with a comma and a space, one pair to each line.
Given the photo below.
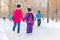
23, 20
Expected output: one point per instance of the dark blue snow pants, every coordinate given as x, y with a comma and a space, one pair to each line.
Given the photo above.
14, 26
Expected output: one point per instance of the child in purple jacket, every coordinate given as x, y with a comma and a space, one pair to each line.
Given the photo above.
29, 17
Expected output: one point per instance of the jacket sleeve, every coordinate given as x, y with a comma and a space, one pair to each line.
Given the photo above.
22, 16
14, 14
36, 16
41, 15
25, 16
33, 16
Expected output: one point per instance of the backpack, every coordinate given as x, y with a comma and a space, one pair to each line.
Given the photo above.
30, 15
11, 17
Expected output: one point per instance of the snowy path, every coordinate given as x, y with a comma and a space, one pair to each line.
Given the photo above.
3, 35
47, 31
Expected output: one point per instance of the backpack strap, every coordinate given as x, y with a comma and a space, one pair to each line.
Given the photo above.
30, 14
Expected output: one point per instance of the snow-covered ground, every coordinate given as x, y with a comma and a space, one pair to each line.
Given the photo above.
47, 31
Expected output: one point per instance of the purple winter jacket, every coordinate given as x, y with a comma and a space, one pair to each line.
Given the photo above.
30, 18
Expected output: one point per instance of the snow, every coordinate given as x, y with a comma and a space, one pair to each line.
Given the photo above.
47, 31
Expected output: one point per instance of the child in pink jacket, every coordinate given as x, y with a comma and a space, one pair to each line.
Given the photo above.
17, 16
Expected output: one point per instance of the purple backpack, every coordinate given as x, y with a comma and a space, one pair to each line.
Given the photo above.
30, 17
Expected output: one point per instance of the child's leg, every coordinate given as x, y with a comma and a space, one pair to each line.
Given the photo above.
39, 22
29, 28
14, 26
18, 30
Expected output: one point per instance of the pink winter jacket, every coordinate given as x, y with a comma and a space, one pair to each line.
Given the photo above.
17, 16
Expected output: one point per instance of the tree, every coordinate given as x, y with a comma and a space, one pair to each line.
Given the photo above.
47, 11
